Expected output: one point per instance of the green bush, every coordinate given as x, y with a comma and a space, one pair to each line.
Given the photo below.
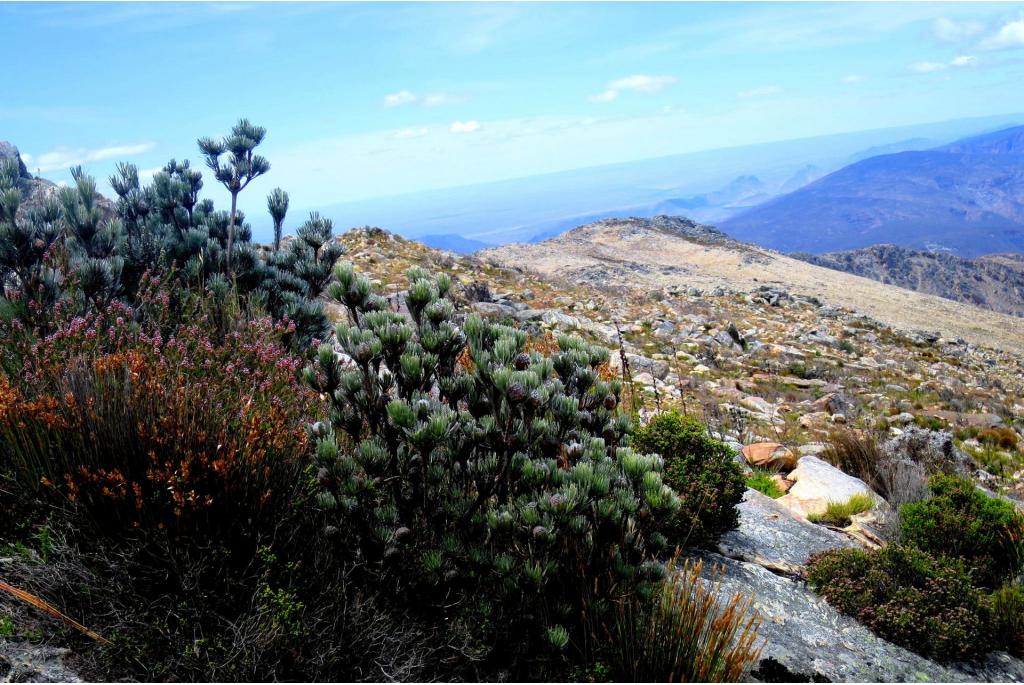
924, 603
1007, 605
763, 482
959, 520
470, 474
701, 469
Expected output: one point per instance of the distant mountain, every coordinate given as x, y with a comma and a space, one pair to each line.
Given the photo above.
966, 197
453, 243
892, 148
520, 209
994, 282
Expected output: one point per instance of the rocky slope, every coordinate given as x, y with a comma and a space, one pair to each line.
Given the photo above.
774, 371
966, 197
665, 252
993, 282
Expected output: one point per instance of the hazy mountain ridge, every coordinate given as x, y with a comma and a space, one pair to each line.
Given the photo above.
993, 282
967, 196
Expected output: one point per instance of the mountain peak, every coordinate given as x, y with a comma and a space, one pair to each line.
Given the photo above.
9, 151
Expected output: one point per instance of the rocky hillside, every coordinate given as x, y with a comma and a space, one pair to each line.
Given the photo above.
993, 282
966, 196
706, 324
666, 252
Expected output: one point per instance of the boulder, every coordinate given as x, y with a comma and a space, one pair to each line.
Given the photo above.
807, 640
493, 309
769, 455
771, 536
817, 483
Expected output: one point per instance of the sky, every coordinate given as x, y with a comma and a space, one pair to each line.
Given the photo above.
365, 100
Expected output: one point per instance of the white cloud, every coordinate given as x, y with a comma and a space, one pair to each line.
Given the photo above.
964, 61
402, 97
406, 97
853, 78
604, 96
955, 31
958, 62
638, 83
1009, 35
64, 158
148, 174
759, 92
465, 126
411, 132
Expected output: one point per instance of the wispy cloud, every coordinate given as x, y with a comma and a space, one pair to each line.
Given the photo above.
406, 97
951, 31
1010, 35
853, 78
759, 92
465, 126
63, 158
402, 97
411, 132
958, 62
638, 83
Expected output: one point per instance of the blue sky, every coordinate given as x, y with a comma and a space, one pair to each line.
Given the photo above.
367, 100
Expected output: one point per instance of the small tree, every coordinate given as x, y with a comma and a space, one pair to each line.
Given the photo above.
277, 205
240, 167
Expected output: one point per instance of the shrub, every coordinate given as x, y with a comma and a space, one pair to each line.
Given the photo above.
471, 475
763, 482
999, 436
839, 513
166, 461
701, 469
908, 597
685, 633
1007, 606
959, 520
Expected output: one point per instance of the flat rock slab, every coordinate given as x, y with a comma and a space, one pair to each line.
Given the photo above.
808, 640
770, 535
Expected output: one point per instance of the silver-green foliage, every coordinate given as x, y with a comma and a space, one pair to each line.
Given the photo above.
472, 470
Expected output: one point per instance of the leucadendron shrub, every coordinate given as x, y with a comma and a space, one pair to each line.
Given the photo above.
701, 470
476, 477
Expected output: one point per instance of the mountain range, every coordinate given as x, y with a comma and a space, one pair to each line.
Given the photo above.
965, 197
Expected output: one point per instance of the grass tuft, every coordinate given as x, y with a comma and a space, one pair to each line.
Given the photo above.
840, 513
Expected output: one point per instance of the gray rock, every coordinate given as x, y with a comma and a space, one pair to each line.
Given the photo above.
771, 536
934, 450
807, 639
493, 309
22, 662
8, 151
